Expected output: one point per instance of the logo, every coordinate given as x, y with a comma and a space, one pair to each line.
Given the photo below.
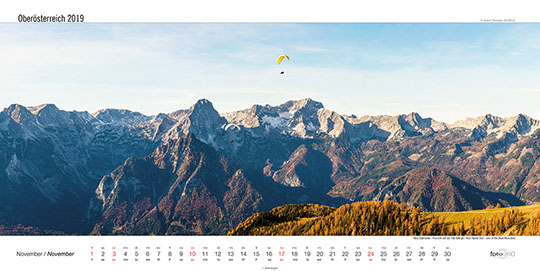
502, 253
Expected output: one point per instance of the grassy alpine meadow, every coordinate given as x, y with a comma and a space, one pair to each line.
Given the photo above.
525, 219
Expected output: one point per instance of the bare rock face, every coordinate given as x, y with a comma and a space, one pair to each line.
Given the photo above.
491, 127
201, 119
120, 116
433, 189
183, 187
195, 171
405, 125
297, 118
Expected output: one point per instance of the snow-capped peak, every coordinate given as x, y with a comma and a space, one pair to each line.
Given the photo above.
120, 116
489, 125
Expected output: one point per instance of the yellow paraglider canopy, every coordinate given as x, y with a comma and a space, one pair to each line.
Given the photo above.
281, 57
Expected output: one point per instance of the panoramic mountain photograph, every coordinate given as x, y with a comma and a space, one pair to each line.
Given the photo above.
270, 129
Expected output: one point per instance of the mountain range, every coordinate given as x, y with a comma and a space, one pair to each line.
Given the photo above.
196, 171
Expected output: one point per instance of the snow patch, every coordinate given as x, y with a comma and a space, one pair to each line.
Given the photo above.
286, 115
275, 122
310, 127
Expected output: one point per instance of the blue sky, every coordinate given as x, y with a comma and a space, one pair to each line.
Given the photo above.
444, 71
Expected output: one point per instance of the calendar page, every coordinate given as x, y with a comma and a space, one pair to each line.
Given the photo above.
269, 253
269, 136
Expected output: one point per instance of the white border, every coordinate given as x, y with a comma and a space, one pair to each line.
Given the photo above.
278, 10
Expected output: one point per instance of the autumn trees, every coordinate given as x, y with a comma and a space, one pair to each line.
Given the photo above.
361, 218
380, 218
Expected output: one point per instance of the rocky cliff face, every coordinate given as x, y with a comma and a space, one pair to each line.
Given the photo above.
194, 171
432, 189
51, 161
183, 187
